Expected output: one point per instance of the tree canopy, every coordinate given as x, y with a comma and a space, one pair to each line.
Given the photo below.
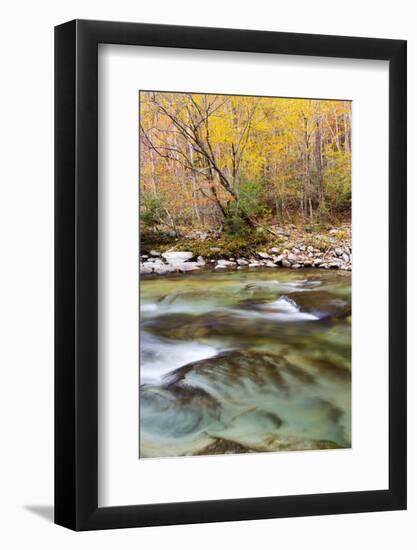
211, 160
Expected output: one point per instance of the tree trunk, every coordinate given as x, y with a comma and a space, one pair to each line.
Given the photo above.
336, 128
319, 158
153, 174
346, 120
194, 185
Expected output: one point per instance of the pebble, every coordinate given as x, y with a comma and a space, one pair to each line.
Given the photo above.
337, 257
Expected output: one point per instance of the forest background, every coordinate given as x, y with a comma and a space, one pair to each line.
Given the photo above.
241, 166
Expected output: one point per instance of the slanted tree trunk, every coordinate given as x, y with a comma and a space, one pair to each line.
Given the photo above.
194, 185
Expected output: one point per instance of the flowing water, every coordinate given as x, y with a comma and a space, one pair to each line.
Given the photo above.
245, 361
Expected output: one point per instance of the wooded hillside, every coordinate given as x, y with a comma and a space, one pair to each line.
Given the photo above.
238, 162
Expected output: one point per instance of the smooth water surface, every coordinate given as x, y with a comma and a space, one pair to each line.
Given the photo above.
245, 361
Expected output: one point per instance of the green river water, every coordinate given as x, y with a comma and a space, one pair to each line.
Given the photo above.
245, 361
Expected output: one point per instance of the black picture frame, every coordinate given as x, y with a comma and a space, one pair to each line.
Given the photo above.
76, 272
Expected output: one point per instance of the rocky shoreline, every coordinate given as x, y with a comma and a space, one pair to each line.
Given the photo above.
336, 256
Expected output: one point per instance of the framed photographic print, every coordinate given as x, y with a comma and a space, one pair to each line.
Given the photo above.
230, 275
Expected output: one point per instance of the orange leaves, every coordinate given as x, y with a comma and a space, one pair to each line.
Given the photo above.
198, 148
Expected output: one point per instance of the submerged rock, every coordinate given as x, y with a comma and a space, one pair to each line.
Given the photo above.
164, 412
227, 371
223, 447
321, 303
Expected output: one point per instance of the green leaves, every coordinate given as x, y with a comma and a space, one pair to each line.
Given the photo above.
152, 209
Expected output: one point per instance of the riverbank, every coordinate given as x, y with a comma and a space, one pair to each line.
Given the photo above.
290, 247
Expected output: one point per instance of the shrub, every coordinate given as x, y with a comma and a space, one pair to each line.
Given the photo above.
342, 234
152, 210
248, 205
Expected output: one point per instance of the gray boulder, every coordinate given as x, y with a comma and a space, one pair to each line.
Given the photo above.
242, 262
177, 258
145, 270
187, 266
225, 264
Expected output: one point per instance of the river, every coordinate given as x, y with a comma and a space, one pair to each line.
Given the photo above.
245, 361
